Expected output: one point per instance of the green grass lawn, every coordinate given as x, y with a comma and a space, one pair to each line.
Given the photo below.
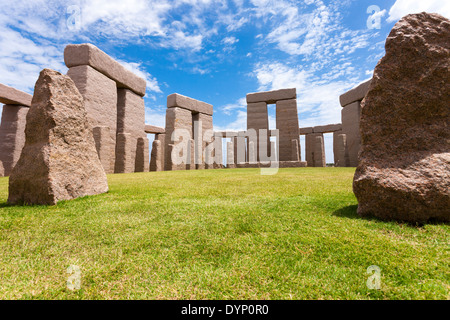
218, 234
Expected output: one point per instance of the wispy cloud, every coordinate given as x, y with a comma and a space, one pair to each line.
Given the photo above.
403, 7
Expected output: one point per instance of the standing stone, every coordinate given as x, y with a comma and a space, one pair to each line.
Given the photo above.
142, 161
310, 147
156, 163
257, 119
59, 160
319, 152
287, 124
123, 153
2, 170
12, 135
341, 156
230, 154
295, 150
251, 152
176, 118
351, 115
218, 152
404, 165
100, 99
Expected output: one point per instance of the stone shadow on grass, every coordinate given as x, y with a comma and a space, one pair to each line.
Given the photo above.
347, 212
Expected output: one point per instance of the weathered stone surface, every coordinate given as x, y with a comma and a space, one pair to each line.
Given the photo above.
131, 118
12, 96
156, 163
272, 96
310, 147
161, 137
341, 156
257, 119
319, 152
287, 124
102, 138
142, 155
89, 55
100, 99
355, 94
328, 128
154, 129
180, 101
295, 150
218, 151
2, 170
176, 118
59, 160
12, 135
351, 115
124, 164
230, 155
404, 165
306, 130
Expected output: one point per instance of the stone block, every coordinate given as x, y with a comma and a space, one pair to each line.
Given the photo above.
12, 135
124, 163
12, 96
103, 145
341, 156
100, 98
154, 129
142, 155
180, 101
271, 97
176, 118
307, 130
89, 55
319, 152
156, 163
351, 115
328, 128
356, 94
287, 124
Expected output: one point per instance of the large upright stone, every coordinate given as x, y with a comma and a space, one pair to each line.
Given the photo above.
404, 165
12, 135
156, 163
351, 115
59, 160
100, 98
2, 170
319, 152
258, 119
287, 124
177, 118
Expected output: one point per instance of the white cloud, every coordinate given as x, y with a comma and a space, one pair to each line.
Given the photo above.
230, 108
136, 68
403, 7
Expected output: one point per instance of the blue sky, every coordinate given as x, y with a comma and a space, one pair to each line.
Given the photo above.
212, 50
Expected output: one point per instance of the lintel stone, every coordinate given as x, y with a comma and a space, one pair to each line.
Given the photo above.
12, 96
271, 97
154, 129
328, 128
356, 94
180, 101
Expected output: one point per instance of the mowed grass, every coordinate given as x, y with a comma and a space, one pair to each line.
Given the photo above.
218, 234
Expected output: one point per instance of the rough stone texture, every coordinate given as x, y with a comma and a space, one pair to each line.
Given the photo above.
154, 129
2, 170
12, 96
306, 130
356, 94
271, 97
12, 135
310, 142
218, 151
404, 167
295, 150
257, 119
123, 153
287, 124
100, 99
176, 118
161, 137
156, 163
230, 155
180, 101
328, 128
207, 125
103, 145
319, 152
89, 55
142, 155
59, 160
351, 115
131, 119
341, 156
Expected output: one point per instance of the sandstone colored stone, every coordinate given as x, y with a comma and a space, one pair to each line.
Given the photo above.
341, 156
310, 142
328, 128
131, 118
306, 130
404, 165
230, 155
100, 99
287, 124
12, 135
142, 155
218, 151
258, 119
102, 138
176, 118
271, 97
180, 101
59, 160
161, 137
355, 94
154, 129
319, 152
2, 170
295, 150
156, 163
124, 164
351, 115
12, 96
89, 55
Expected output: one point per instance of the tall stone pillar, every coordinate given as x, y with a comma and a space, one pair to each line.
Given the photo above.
341, 151
257, 119
177, 118
156, 161
351, 115
123, 152
287, 124
103, 145
230, 154
12, 135
142, 155
319, 152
